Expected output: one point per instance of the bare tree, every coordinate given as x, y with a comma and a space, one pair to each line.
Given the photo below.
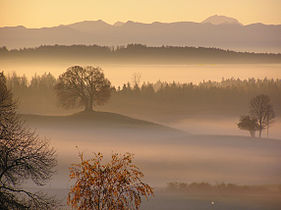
83, 87
249, 124
262, 109
136, 78
23, 156
269, 118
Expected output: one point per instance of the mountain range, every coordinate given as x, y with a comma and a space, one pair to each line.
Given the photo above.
216, 31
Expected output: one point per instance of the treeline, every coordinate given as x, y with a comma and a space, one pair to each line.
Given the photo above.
34, 96
227, 97
140, 53
221, 188
160, 100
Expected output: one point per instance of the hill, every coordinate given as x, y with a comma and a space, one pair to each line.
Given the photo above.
256, 37
96, 121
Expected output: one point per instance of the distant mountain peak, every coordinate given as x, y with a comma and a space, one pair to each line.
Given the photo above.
89, 22
118, 23
130, 22
219, 19
90, 26
14, 27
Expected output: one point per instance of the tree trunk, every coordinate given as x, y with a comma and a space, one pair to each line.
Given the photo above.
267, 127
89, 106
260, 130
253, 133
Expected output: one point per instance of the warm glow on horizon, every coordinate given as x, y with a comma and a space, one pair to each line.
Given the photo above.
39, 13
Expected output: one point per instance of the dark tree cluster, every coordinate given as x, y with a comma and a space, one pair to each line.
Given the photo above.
228, 97
249, 124
33, 95
220, 188
260, 116
23, 156
139, 52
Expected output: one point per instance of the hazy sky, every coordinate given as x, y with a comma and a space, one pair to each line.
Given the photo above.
38, 13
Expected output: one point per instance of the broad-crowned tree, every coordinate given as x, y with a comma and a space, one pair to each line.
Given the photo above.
83, 87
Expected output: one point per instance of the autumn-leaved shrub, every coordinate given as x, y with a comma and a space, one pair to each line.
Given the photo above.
116, 184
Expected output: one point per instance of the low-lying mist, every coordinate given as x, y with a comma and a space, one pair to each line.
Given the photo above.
167, 156
184, 131
120, 74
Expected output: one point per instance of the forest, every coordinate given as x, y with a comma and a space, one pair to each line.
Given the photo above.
135, 53
229, 97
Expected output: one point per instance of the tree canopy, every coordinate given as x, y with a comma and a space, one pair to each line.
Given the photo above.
262, 109
83, 87
249, 124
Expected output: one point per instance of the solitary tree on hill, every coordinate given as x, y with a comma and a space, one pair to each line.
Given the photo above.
262, 109
83, 87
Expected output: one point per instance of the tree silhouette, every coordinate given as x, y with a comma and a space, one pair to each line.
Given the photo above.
262, 109
83, 87
114, 185
23, 156
249, 124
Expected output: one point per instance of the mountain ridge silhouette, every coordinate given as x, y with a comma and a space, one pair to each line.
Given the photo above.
255, 37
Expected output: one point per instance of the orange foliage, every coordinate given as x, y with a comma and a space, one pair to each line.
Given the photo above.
114, 185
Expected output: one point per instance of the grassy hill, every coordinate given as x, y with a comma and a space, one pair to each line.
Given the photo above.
96, 121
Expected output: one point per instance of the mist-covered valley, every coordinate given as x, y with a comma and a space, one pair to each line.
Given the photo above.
184, 131
166, 155
179, 120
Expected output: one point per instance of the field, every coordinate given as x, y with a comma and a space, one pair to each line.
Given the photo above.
167, 155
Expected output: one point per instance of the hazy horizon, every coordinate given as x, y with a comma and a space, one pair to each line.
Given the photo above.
120, 74
118, 23
14, 12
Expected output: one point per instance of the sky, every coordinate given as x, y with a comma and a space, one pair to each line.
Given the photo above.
45, 13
